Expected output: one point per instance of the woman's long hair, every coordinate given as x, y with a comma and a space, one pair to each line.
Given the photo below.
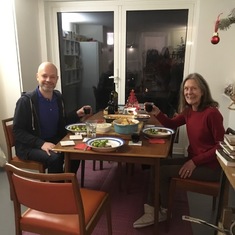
206, 99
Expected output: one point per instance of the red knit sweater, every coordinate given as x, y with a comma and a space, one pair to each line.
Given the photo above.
205, 130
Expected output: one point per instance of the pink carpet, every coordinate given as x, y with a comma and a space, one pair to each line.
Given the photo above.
127, 207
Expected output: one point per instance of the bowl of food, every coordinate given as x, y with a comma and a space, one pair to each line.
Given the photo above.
125, 126
157, 132
105, 144
77, 128
103, 127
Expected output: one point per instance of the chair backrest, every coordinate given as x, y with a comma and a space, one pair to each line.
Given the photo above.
7, 125
46, 192
173, 141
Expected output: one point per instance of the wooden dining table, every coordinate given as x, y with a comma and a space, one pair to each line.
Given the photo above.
148, 154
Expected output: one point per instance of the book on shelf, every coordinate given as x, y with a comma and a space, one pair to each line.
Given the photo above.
227, 150
230, 139
225, 158
232, 147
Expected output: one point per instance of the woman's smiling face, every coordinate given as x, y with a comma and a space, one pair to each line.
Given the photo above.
192, 93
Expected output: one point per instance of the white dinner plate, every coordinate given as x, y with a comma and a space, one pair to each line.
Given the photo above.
157, 132
111, 145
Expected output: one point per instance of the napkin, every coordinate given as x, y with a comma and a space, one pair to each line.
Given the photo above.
67, 143
75, 137
157, 141
139, 143
82, 146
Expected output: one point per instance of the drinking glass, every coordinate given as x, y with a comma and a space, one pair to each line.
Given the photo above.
91, 128
87, 110
135, 137
148, 107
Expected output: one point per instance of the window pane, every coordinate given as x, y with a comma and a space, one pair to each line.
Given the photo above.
86, 58
155, 52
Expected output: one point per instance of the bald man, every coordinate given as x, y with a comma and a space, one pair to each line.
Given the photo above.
39, 121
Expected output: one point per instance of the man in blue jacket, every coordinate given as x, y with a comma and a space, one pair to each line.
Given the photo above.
39, 121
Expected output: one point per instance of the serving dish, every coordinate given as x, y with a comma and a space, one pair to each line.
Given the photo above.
103, 127
111, 117
157, 132
111, 144
142, 117
77, 128
125, 125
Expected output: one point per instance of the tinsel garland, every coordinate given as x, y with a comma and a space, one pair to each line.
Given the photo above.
225, 23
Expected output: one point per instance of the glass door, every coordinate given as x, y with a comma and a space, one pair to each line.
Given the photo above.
141, 35
155, 56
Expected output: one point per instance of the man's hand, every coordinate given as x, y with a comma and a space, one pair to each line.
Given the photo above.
47, 147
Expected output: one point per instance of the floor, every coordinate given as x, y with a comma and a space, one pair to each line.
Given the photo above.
200, 207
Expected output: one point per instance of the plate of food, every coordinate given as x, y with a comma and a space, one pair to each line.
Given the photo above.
105, 144
77, 128
157, 132
142, 117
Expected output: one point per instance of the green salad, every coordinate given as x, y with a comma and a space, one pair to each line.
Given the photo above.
100, 143
153, 131
78, 128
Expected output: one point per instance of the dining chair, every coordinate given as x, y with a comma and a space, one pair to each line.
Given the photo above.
197, 186
12, 158
56, 205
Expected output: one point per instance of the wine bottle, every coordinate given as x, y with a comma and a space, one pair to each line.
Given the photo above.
114, 98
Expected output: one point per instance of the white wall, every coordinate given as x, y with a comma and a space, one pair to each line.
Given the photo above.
27, 21
216, 62
20, 53
9, 74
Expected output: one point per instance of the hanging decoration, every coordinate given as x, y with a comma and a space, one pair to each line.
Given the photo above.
215, 39
222, 24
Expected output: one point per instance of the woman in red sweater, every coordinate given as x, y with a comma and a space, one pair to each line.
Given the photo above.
204, 124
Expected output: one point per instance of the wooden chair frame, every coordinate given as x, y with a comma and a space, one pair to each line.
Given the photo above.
14, 160
197, 186
56, 203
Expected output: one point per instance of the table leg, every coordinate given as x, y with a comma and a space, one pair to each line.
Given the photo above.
156, 196
223, 199
82, 172
66, 162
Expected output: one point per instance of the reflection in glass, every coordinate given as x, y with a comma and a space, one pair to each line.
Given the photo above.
86, 59
155, 52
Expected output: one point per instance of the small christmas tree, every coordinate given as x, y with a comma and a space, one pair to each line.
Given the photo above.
132, 100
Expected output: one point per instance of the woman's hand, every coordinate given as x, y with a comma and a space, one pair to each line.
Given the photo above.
187, 169
155, 110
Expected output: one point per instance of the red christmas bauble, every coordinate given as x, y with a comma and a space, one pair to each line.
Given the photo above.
215, 39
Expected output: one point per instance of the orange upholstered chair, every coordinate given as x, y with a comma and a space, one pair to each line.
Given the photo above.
56, 204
